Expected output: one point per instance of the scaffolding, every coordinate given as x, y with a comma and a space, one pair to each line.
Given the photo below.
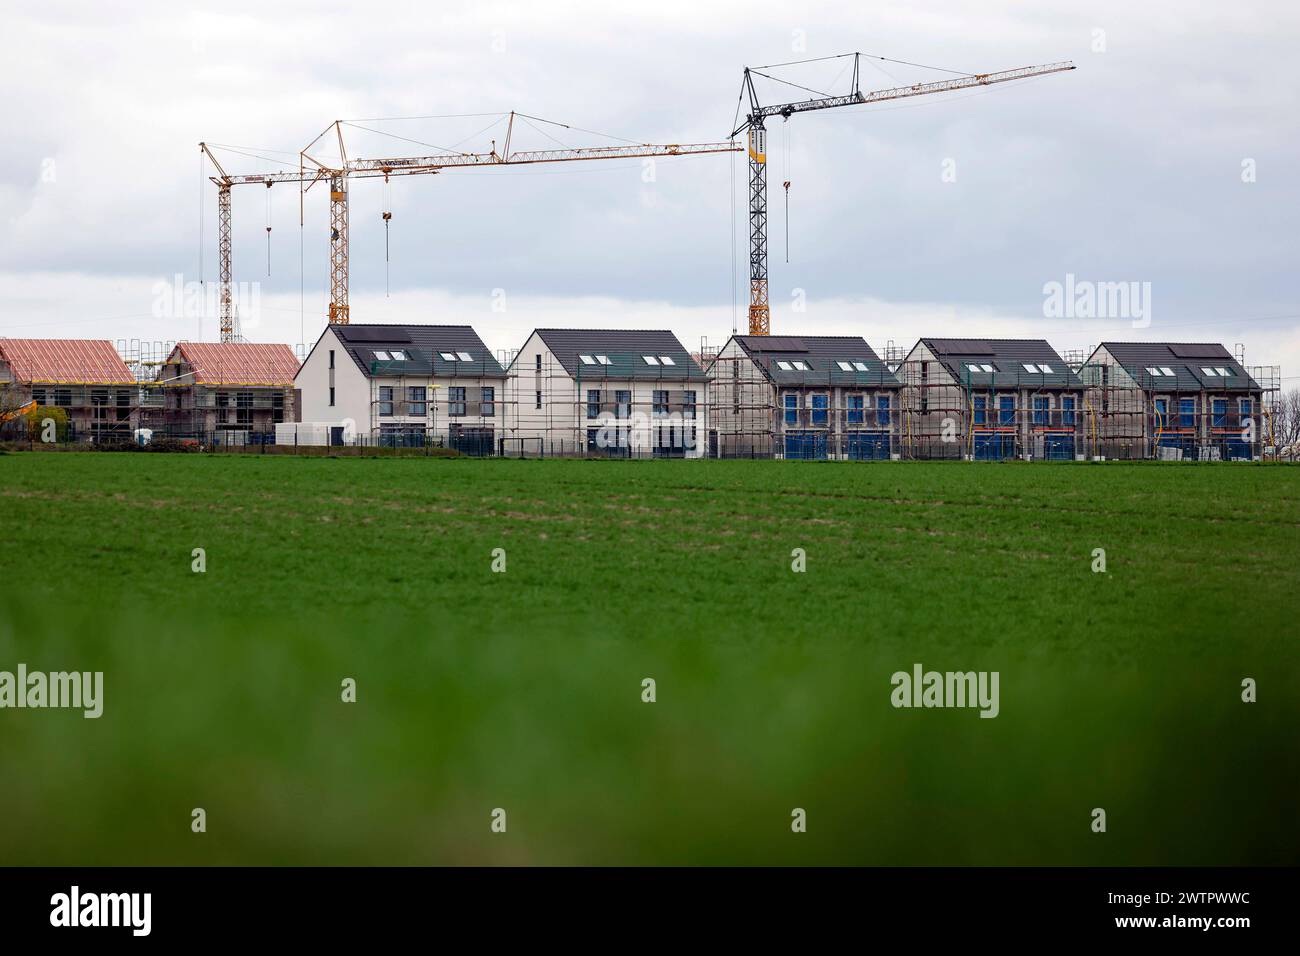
757, 412
599, 410
412, 407
1020, 415
1135, 416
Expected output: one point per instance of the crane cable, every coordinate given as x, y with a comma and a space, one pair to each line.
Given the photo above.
785, 163
268, 228
388, 217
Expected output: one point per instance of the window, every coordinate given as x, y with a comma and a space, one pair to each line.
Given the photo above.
987, 368
1166, 370
1162, 412
1041, 406
688, 404
800, 366
784, 366
1220, 413
539, 362
820, 404
488, 397
1153, 371
587, 360
1043, 367
845, 366
416, 405
331, 396
602, 359
791, 403
456, 401
1187, 412
861, 366
856, 406
538, 401
385, 399
667, 360
1247, 407
650, 360
622, 404
882, 411
397, 355
1029, 367
277, 407
1208, 372
38, 396
381, 356
593, 403
449, 357
1067, 410
244, 408
661, 402
1006, 410
331, 358
980, 403
464, 356
1223, 372
972, 366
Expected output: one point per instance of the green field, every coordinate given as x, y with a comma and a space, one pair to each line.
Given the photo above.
478, 690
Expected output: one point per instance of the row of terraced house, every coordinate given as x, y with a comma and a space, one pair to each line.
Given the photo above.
641, 393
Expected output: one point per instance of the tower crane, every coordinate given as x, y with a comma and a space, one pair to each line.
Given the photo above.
755, 126
337, 173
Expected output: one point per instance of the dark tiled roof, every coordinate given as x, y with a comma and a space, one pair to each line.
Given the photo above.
625, 349
1186, 360
1008, 357
423, 345
822, 355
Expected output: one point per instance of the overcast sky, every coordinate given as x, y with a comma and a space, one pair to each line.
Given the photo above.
1170, 157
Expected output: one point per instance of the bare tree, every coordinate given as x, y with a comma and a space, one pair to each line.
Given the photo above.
1286, 420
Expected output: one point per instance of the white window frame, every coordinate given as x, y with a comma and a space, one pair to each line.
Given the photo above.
784, 366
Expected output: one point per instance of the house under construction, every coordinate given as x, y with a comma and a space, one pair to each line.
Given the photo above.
991, 399
224, 392
622, 393
1178, 400
84, 377
802, 397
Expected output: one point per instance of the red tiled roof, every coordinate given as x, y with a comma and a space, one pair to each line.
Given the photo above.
71, 361
238, 363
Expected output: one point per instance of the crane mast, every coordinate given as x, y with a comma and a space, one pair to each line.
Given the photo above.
755, 128
338, 173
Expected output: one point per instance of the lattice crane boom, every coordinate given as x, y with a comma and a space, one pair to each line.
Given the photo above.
754, 126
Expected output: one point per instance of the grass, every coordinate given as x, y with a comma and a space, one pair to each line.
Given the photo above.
522, 690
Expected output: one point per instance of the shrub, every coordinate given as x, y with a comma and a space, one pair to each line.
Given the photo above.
36, 422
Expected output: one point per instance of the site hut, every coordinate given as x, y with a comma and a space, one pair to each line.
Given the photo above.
1174, 400
804, 396
991, 399
230, 393
84, 377
401, 385
604, 392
